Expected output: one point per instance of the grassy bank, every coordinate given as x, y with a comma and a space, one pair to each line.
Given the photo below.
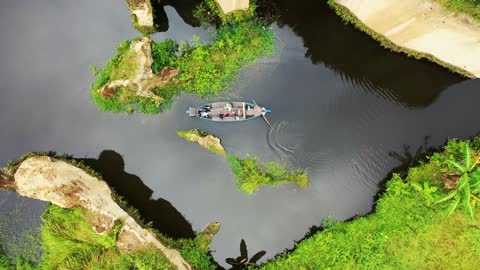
349, 17
251, 175
206, 140
205, 69
413, 226
470, 7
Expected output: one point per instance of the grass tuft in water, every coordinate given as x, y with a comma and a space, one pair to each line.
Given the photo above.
251, 175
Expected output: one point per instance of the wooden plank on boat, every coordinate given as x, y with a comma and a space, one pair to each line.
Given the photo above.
192, 111
243, 108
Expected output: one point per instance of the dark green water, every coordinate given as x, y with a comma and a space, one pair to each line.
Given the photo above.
341, 104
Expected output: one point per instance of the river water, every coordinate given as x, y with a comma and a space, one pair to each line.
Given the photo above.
341, 104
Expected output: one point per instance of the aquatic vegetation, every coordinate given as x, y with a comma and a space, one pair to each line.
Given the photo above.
204, 69
470, 7
251, 175
407, 230
206, 140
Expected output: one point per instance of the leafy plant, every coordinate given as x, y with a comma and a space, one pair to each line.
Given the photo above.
242, 261
250, 174
468, 186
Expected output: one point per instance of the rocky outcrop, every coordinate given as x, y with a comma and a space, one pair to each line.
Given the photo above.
207, 141
142, 13
206, 236
143, 81
422, 28
228, 6
48, 179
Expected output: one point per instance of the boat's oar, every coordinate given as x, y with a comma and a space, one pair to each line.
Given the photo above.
263, 115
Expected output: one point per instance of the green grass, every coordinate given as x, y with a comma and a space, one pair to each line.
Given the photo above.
205, 69
211, 146
470, 7
251, 175
69, 242
349, 17
407, 229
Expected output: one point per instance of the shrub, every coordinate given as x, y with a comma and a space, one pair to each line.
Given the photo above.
251, 175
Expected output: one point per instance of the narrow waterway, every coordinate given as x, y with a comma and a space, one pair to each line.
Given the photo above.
341, 104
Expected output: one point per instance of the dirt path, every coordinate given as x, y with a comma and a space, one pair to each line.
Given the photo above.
424, 26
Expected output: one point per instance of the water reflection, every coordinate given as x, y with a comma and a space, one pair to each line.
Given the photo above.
360, 59
165, 217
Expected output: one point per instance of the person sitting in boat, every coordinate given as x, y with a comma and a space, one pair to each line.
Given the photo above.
204, 114
228, 106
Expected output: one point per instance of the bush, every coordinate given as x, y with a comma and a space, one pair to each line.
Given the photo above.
251, 175
406, 231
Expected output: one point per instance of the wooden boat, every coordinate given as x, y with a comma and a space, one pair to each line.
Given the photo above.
227, 111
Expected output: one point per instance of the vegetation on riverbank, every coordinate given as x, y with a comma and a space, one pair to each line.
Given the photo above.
470, 7
204, 69
412, 227
69, 242
204, 139
251, 175
349, 17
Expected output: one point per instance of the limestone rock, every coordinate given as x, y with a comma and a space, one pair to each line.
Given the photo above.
228, 6
45, 178
144, 81
143, 12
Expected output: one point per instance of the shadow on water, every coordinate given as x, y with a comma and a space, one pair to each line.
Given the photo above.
358, 58
184, 8
162, 213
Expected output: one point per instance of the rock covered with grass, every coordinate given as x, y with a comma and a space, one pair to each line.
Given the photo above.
48, 179
251, 175
204, 139
142, 15
145, 76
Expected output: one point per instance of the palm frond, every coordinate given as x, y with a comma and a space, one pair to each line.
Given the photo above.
463, 181
459, 166
243, 249
467, 157
453, 205
448, 197
466, 200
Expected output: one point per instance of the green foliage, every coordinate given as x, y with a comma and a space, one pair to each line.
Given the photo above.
406, 230
69, 242
470, 7
163, 54
468, 187
209, 69
205, 69
251, 175
208, 12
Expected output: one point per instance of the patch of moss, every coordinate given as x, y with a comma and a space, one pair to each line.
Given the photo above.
206, 140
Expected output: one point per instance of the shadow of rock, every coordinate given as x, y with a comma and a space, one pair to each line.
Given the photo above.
357, 57
184, 8
162, 213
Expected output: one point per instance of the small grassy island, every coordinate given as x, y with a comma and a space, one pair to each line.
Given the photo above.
145, 75
423, 221
251, 175
206, 140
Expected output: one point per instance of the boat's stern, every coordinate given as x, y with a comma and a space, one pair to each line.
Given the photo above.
192, 112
